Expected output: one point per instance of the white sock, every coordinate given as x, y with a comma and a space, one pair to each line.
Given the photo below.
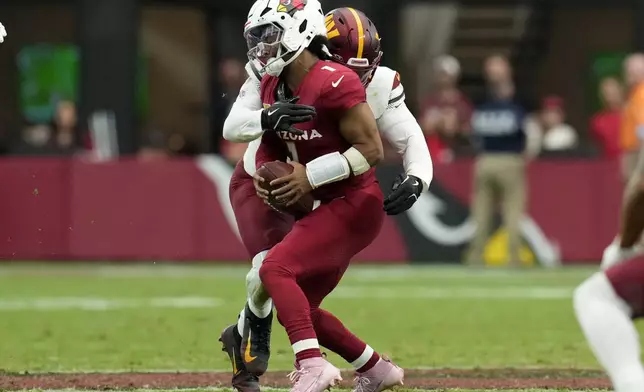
262, 312
306, 344
259, 302
241, 321
606, 322
261, 308
363, 358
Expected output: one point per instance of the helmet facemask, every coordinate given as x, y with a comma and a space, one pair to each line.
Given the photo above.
364, 68
265, 45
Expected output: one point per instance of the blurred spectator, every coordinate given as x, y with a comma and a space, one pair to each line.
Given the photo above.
233, 152
154, 146
179, 144
65, 126
446, 113
56, 138
557, 135
498, 129
231, 77
605, 125
632, 126
34, 139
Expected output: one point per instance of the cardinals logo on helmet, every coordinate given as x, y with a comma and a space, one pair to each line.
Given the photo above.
290, 6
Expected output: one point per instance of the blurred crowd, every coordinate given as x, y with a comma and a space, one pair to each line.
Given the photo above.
445, 114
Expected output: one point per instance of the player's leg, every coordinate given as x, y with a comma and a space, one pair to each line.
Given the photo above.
627, 244
482, 210
260, 228
374, 374
605, 305
511, 178
319, 245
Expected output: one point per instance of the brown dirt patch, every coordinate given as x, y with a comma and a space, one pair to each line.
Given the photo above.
414, 378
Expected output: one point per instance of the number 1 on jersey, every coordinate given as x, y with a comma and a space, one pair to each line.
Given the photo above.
292, 150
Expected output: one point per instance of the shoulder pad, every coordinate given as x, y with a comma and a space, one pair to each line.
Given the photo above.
379, 90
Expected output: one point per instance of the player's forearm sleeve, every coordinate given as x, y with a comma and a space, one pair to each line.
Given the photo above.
244, 122
401, 129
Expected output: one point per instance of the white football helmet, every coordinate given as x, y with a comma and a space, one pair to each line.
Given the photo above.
277, 31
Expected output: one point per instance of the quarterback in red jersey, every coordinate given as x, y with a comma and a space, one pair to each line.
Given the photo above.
332, 155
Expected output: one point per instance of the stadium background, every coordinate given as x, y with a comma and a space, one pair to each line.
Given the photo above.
161, 74
157, 68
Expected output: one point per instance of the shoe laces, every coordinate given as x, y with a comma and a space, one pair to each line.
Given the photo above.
362, 382
296, 375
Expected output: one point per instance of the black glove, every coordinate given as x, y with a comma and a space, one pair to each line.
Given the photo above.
283, 114
404, 193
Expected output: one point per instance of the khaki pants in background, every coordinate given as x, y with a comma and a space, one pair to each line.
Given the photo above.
629, 163
499, 180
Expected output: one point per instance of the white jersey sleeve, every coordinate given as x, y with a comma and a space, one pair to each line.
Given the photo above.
244, 122
380, 90
399, 126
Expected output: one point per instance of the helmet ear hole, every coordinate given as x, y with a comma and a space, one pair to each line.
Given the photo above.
303, 26
266, 11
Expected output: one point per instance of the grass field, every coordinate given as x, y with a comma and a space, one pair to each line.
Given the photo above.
157, 319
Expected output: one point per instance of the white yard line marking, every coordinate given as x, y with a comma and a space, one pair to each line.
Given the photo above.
356, 272
105, 304
412, 292
346, 292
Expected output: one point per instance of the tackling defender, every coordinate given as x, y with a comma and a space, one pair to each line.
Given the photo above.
261, 231
354, 42
607, 302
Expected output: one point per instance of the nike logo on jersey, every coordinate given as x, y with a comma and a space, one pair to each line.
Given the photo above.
337, 82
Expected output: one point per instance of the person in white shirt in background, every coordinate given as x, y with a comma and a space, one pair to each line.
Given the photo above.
556, 134
3, 33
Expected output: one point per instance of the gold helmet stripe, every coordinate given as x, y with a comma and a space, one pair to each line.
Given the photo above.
360, 32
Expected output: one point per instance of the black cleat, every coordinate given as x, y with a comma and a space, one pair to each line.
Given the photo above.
243, 381
256, 342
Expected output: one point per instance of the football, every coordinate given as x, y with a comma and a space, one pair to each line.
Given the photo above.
277, 169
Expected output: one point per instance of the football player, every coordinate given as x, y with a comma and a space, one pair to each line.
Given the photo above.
353, 42
607, 303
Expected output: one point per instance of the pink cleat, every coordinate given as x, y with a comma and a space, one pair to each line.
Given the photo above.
314, 375
384, 375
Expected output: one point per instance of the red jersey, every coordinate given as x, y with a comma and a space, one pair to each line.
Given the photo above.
332, 89
605, 127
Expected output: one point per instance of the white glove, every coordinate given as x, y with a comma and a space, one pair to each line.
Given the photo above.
613, 254
3, 33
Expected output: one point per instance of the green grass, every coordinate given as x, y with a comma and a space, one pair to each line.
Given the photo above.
420, 316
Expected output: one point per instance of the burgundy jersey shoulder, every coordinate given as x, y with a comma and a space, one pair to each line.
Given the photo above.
340, 87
